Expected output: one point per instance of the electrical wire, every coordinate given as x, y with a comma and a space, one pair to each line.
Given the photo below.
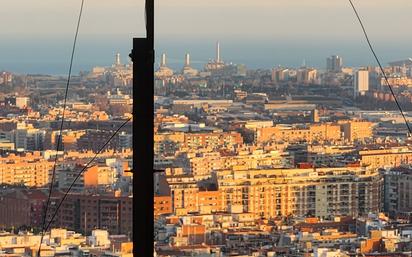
78, 176
82, 170
61, 126
380, 66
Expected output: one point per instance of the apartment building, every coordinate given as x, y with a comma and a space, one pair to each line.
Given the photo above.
349, 130
85, 212
29, 169
307, 133
162, 205
204, 164
19, 207
398, 190
214, 140
356, 130
323, 192
381, 158
168, 143
188, 196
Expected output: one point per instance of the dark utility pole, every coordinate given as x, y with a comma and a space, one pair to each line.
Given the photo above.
143, 83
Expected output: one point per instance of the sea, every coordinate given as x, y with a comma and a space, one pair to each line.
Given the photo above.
51, 55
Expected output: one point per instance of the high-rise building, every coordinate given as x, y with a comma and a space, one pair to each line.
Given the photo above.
306, 75
361, 82
334, 63
280, 74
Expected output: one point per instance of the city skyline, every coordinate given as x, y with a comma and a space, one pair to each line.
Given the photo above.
264, 56
268, 45
264, 128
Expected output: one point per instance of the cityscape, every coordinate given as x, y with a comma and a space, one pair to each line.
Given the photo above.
95, 216
230, 128
286, 161
307, 161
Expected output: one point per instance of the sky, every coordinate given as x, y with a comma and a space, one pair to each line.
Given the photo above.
258, 32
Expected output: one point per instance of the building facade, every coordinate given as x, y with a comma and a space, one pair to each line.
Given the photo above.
324, 192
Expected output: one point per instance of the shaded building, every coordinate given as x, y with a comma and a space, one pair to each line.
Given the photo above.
85, 212
398, 190
334, 64
22, 207
95, 139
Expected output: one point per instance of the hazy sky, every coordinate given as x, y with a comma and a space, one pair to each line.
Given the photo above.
305, 25
264, 18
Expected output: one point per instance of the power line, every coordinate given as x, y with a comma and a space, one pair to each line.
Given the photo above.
380, 65
82, 170
77, 177
61, 125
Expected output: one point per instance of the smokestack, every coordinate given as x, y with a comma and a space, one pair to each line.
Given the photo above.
117, 61
217, 52
163, 62
187, 60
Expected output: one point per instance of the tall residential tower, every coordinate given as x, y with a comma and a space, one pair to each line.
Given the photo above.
361, 82
334, 64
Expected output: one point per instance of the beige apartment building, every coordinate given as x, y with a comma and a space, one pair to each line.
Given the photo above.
308, 133
214, 140
349, 130
268, 193
183, 190
31, 170
322, 192
202, 166
356, 130
384, 158
168, 142
186, 195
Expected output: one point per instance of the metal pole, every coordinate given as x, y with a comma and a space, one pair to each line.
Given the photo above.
143, 101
